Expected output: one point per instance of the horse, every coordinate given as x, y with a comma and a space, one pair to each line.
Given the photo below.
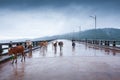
60, 45
14, 51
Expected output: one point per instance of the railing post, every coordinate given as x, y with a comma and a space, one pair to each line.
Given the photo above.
105, 43
114, 43
101, 42
17, 44
33, 43
10, 44
97, 42
21, 43
37, 43
25, 45
93, 41
1, 50
108, 43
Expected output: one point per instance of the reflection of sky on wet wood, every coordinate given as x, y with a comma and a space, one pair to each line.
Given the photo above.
37, 18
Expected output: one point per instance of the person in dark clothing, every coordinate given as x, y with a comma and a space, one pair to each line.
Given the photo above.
60, 45
73, 44
55, 46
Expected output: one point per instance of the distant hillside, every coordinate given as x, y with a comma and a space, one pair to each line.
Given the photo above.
104, 34
107, 33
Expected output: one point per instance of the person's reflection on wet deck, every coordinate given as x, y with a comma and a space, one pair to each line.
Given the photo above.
55, 52
73, 47
61, 53
55, 47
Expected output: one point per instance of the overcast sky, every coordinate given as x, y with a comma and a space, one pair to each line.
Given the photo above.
38, 18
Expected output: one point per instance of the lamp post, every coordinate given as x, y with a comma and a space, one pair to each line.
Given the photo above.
79, 32
95, 18
73, 35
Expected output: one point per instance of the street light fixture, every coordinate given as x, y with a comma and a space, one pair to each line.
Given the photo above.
94, 17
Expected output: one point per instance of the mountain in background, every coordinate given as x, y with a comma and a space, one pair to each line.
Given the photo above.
101, 34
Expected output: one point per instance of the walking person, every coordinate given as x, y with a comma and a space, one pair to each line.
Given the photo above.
60, 45
73, 44
55, 47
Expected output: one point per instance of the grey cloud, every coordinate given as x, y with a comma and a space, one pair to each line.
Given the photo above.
56, 3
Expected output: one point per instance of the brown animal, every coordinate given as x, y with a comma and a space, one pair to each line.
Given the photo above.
30, 48
43, 46
15, 51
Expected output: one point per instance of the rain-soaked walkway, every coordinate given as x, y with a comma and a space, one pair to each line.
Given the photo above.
85, 62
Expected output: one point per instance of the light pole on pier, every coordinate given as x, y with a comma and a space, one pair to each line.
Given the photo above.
79, 31
95, 18
73, 35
